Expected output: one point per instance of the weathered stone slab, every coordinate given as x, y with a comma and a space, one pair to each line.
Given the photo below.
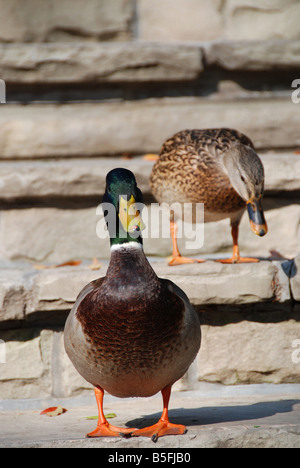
12, 294
174, 20
249, 352
209, 283
215, 283
261, 19
65, 20
72, 130
20, 180
27, 370
282, 172
68, 234
206, 283
253, 55
99, 63
240, 20
57, 289
54, 235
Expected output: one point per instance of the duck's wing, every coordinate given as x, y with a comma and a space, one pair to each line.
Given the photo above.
85, 291
189, 309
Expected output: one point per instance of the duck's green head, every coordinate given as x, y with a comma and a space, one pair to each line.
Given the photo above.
122, 205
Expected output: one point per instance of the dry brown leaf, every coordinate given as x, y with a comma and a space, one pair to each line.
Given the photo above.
53, 411
126, 155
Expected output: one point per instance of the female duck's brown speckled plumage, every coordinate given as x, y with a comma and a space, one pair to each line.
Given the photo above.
217, 167
131, 333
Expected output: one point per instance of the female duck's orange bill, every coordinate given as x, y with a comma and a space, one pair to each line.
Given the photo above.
256, 216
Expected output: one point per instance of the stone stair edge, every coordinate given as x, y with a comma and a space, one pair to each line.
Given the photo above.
82, 177
139, 126
25, 290
33, 62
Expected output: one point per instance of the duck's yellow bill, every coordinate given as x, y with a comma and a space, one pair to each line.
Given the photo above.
130, 216
256, 216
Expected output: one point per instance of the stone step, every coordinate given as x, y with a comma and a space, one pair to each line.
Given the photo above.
26, 291
49, 211
139, 61
119, 62
136, 127
253, 55
54, 234
66, 20
61, 233
85, 177
249, 319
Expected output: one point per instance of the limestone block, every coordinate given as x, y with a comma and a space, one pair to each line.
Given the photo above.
85, 177
215, 283
282, 171
50, 234
66, 179
57, 289
99, 63
26, 372
206, 283
261, 20
179, 20
137, 127
54, 236
249, 352
12, 294
65, 20
253, 55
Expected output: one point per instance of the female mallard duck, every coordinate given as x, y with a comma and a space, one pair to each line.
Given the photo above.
217, 167
131, 333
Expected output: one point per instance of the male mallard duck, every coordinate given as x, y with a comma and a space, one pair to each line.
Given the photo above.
217, 167
131, 333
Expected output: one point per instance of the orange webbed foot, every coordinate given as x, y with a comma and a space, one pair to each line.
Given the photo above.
160, 429
238, 260
107, 430
179, 260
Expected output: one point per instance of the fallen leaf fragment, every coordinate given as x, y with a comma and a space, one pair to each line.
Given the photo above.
107, 416
53, 411
150, 157
276, 255
44, 267
127, 155
95, 265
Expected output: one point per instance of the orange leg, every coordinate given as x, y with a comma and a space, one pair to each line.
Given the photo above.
177, 259
236, 258
104, 429
163, 426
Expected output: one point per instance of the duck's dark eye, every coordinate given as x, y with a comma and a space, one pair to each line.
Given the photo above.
242, 178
